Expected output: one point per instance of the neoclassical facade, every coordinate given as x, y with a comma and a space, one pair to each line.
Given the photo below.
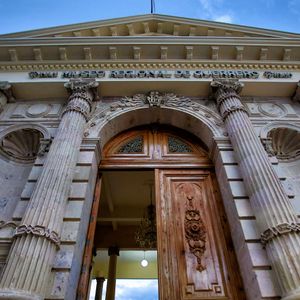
211, 109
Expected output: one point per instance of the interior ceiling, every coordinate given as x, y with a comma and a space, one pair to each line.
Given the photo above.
125, 196
128, 264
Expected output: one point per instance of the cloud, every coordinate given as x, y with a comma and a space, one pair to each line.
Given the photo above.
224, 19
214, 10
131, 289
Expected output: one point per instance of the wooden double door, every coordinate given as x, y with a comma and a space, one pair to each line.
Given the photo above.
196, 259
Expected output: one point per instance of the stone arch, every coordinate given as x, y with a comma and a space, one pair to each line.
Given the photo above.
201, 120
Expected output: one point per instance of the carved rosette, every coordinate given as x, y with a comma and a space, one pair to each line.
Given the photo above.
226, 94
195, 233
83, 91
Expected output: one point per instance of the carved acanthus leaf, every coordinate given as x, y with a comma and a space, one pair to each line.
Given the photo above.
227, 85
134, 101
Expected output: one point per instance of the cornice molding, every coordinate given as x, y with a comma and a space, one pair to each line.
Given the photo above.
185, 40
148, 18
82, 65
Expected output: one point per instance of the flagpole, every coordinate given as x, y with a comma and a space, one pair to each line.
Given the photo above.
152, 6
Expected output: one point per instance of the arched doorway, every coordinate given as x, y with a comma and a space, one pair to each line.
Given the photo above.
196, 259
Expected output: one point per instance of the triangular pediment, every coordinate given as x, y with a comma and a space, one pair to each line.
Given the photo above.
151, 25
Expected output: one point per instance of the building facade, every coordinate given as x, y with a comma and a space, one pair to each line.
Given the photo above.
212, 109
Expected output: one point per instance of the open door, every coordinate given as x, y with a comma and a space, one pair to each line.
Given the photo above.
196, 259
195, 255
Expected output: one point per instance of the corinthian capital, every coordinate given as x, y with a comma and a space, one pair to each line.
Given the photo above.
226, 86
223, 89
85, 88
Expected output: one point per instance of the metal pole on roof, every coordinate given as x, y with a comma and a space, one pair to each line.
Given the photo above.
152, 6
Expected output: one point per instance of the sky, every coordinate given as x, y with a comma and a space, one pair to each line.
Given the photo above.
21, 15
130, 289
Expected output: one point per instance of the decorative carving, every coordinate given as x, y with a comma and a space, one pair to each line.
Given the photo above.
40, 231
172, 100
284, 143
5, 93
176, 145
38, 110
133, 146
134, 101
232, 109
195, 233
155, 99
4, 224
279, 230
44, 146
21, 145
228, 90
267, 143
230, 67
83, 92
271, 109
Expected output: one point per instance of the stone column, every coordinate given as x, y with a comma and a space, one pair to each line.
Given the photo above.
113, 253
274, 213
36, 240
99, 287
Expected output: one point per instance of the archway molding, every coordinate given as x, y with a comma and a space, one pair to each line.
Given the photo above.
199, 118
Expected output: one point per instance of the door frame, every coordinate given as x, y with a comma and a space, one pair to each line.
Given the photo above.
205, 166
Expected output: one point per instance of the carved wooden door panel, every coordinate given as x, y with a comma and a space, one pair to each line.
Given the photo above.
195, 255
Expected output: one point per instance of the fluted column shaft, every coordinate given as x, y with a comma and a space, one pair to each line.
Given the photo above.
38, 237
274, 213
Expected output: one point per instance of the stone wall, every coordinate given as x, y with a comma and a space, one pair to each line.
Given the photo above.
19, 181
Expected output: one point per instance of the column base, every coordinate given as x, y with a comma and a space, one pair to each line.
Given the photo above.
18, 295
294, 295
